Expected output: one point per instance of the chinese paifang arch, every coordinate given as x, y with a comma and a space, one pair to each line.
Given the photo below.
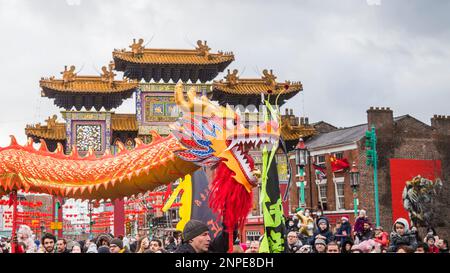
206, 135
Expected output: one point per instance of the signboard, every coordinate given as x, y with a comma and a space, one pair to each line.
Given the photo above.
56, 225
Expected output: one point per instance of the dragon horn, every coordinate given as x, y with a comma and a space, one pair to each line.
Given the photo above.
13, 140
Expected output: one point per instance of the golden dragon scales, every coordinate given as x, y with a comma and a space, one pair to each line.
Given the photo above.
205, 135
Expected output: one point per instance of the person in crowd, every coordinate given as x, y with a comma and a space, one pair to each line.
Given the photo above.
156, 246
365, 234
346, 246
76, 248
333, 247
400, 235
421, 248
254, 247
196, 239
404, 249
134, 245
143, 245
359, 222
61, 246
48, 242
92, 248
292, 224
442, 244
116, 246
306, 249
170, 245
432, 248
294, 243
320, 245
25, 235
381, 237
104, 249
322, 231
344, 231
103, 240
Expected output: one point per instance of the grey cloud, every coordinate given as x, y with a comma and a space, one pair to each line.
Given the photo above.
348, 55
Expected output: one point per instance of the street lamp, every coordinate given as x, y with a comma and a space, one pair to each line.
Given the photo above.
354, 184
301, 157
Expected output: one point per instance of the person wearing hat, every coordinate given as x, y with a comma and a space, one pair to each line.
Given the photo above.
344, 231
320, 246
116, 246
323, 231
196, 239
401, 235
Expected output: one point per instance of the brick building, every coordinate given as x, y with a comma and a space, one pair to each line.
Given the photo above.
401, 139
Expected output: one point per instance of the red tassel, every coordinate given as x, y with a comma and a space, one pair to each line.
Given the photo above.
230, 200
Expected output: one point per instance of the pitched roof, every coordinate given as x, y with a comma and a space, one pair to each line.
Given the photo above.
256, 87
52, 131
87, 84
124, 122
295, 132
172, 56
338, 137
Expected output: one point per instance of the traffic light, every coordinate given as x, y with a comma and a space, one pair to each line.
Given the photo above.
369, 157
371, 145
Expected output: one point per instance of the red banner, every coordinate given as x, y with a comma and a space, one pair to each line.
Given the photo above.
403, 170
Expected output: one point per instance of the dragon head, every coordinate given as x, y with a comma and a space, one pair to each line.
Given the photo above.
212, 134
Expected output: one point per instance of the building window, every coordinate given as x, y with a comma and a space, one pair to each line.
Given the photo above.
253, 235
322, 192
339, 189
320, 160
339, 155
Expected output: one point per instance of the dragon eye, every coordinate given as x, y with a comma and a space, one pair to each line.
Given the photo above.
231, 123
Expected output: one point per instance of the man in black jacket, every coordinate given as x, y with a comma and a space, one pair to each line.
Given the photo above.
196, 239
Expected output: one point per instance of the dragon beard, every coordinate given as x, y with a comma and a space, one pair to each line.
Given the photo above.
230, 200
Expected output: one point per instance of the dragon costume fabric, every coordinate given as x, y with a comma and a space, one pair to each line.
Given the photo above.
206, 135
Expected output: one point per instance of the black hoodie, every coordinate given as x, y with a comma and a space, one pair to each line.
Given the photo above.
325, 233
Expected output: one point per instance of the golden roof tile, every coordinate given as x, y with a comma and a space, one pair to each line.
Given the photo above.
104, 83
266, 85
199, 56
88, 84
124, 122
52, 131
291, 132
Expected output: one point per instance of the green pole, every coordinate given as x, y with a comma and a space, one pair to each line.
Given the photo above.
375, 174
355, 202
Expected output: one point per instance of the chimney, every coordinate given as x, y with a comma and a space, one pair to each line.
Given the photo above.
441, 124
286, 111
302, 120
383, 120
306, 121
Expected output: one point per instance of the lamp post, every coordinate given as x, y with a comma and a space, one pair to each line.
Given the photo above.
354, 184
301, 157
90, 209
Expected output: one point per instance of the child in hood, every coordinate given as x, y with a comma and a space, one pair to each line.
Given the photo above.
401, 235
323, 231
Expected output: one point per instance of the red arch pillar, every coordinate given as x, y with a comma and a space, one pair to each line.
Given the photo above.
119, 217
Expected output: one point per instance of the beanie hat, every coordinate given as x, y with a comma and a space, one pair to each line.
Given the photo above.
193, 228
322, 221
103, 249
117, 242
320, 242
344, 219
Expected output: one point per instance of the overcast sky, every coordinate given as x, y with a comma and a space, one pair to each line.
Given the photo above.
349, 54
